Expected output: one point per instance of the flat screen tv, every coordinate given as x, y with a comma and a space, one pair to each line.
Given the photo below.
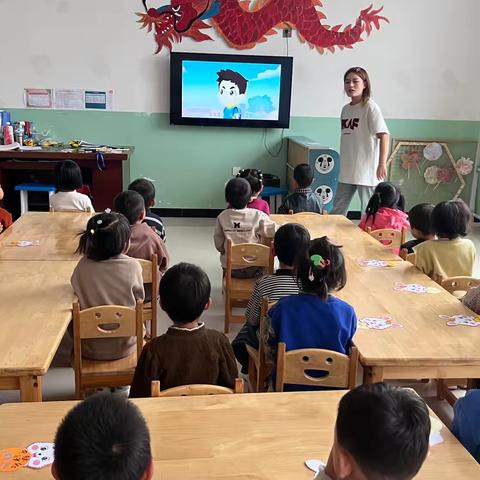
230, 90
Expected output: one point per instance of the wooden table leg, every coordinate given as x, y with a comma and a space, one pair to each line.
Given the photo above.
372, 375
31, 388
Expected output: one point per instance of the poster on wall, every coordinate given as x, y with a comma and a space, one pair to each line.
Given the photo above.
98, 99
69, 99
38, 97
243, 24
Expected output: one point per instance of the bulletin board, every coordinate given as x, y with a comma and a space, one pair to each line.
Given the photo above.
433, 170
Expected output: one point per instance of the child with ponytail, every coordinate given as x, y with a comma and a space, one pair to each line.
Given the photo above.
385, 209
314, 318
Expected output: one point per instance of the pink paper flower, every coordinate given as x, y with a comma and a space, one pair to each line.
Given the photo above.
431, 175
464, 166
445, 175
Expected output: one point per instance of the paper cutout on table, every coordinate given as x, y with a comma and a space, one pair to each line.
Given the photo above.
461, 320
26, 243
314, 465
11, 459
377, 323
435, 428
414, 288
42, 454
377, 263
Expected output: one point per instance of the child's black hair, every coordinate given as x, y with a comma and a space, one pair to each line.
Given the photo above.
238, 193
451, 219
184, 292
145, 188
386, 195
290, 240
239, 80
320, 268
420, 218
106, 236
303, 175
254, 177
130, 204
385, 429
68, 176
105, 437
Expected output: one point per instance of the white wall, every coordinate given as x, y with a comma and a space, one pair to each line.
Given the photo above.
424, 64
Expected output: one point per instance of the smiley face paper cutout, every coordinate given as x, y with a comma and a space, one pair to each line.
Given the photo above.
42, 454
461, 320
377, 263
415, 288
377, 323
37, 455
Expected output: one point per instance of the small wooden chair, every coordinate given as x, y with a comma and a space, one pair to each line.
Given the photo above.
195, 389
238, 290
89, 324
293, 367
459, 286
151, 275
259, 370
70, 210
324, 212
392, 239
408, 257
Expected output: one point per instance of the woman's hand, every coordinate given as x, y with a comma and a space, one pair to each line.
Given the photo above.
381, 171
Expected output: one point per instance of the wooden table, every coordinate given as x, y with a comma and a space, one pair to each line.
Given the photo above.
57, 233
356, 243
35, 311
424, 347
250, 436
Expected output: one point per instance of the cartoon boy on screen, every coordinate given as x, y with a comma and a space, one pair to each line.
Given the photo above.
231, 88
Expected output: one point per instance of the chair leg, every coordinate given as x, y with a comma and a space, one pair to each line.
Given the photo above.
252, 375
228, 310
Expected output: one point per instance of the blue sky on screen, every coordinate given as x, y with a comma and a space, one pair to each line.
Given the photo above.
200, 89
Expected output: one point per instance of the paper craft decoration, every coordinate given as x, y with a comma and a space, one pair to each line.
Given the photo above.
431, 175
314, 465
26, 243
244, 23
432, 152
464, 166
415, 288
11, 459
435, 428
377, 263
37, 455
42, 454
461, 320
377, 323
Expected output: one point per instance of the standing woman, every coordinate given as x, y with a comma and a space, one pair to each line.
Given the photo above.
363, 144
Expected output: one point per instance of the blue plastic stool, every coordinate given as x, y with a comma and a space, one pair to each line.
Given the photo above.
274, 192
24, 188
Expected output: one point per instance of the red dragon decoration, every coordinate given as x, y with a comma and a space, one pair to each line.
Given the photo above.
243, 27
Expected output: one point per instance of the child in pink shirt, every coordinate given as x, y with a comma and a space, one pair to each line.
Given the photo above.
255, 178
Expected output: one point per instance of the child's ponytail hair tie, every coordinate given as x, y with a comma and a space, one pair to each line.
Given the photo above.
317, 261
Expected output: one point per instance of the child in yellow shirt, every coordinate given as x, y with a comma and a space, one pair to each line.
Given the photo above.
450, 255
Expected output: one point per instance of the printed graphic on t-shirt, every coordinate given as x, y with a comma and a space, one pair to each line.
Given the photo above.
237, 227
349, 124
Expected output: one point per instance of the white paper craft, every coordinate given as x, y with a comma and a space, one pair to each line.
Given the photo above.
26, 243
42, 454
377, 323
435, 436
461, 320
433, 151
376, 263
414, 288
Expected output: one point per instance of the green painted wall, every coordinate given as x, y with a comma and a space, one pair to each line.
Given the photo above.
191, 164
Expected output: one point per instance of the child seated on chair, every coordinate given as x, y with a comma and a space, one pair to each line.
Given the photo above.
255, 178
289, 240
466, 422
144, 242
147, 190
106, 276
420, 218
314, 318
240, 225
105, 436
381, 432
303, 199
68, 181
5, 217
450, 255
385, 209
188, 353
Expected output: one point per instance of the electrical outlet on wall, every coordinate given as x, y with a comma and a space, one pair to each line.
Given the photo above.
236, 171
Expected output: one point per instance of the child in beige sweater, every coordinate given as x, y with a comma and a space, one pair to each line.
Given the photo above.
106, 276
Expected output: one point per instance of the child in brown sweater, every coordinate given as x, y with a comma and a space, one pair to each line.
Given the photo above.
188, 352
106, 276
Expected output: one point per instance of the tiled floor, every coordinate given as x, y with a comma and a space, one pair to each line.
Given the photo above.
190, 240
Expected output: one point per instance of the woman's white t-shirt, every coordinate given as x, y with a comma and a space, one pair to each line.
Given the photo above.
359, 145
71, 201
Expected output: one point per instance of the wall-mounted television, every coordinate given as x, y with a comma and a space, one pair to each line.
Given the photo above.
230, 90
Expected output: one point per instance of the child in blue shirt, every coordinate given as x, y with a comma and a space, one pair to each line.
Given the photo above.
314, 318
466, 422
